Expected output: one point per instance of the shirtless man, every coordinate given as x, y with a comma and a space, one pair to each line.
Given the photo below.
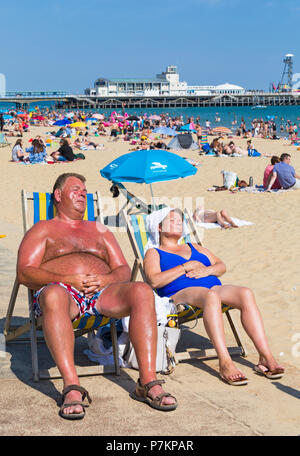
77, 266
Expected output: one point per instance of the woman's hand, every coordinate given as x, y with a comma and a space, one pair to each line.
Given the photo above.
195, 269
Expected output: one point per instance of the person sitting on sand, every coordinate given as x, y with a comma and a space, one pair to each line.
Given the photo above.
216, 146
189, 273
77, 267
37, 152
268, 171
17, 153
65, 152
83, 142
286, 174
210, 216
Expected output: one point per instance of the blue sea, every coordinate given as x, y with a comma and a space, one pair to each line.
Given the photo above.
280, 114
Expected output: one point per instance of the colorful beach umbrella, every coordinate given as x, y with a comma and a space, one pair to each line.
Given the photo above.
188, 127
222, 130
78, 124
62, 122
165, 131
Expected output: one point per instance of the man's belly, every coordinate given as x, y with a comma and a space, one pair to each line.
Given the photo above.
77, 263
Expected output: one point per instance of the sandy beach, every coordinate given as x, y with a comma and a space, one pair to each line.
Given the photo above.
263, 256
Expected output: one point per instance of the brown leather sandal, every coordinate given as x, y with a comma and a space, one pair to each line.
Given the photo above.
141, 394
74, 416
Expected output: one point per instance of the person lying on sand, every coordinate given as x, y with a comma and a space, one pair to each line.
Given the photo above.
210, 216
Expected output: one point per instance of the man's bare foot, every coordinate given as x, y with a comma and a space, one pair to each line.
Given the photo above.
156, 391
71, 397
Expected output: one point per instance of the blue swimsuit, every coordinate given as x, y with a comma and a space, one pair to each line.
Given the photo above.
170, 260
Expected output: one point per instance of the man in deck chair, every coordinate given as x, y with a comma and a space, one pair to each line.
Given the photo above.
77, 266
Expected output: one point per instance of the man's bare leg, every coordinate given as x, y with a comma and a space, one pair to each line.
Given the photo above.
58, 310
136, 299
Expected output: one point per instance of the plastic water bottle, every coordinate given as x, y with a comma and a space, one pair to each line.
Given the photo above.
251, 181
173, 316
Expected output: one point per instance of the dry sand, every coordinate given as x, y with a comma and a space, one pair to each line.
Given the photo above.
264, 256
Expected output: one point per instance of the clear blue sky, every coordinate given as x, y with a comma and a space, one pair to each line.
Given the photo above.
67, 44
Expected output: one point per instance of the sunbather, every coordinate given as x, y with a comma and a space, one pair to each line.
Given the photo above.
17, 153
189, 273
77, 266
211, 216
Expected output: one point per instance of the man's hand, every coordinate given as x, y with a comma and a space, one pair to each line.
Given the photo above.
94, 283
78, 281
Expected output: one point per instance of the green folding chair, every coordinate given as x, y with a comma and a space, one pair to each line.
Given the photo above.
3, 140
42, 208
138, 237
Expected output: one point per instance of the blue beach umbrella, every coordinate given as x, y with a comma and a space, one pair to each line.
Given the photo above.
147, 166
62, 122
188, 128
165, 131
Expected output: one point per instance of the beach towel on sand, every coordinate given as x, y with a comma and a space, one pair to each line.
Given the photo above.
210, 226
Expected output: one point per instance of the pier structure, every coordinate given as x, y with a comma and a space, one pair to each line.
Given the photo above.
64, 100
183, 101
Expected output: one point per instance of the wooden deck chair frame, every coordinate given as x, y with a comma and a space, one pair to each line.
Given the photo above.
81, 326
186, 315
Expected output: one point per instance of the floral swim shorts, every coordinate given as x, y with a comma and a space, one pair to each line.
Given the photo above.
84, 304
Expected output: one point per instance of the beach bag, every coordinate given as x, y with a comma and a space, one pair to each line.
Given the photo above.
253, 153
229, 179
81, 156
167, 339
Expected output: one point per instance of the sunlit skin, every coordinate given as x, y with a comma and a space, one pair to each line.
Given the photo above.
209, 300
85, 255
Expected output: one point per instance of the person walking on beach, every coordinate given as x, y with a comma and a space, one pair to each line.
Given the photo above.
1, 121
286, 174
77, 267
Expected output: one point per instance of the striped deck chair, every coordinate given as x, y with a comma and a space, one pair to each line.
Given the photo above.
138, 237
42, 208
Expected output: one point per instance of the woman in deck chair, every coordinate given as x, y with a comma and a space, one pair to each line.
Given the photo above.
189, 273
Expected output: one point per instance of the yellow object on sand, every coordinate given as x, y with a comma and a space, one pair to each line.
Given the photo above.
78, 124
2, 235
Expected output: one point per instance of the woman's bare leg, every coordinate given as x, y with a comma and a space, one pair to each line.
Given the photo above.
228, 219
210, 302
242, 298
221, 220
